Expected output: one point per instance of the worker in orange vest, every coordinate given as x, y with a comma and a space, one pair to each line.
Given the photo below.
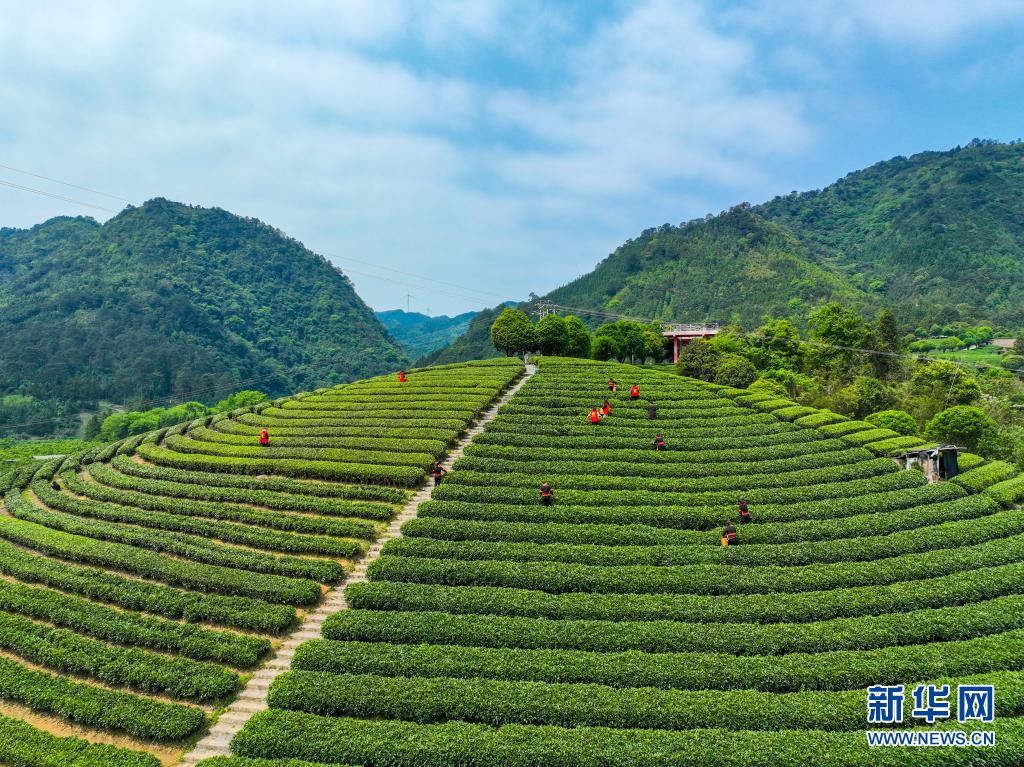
634, 391
594, 416
264, 438
401, 376
606, 408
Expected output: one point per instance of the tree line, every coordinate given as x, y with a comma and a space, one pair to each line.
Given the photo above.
859, 367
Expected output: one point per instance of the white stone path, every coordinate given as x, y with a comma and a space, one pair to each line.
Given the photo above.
253, 698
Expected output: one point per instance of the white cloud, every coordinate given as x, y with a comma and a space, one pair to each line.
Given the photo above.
367, 130
928, 24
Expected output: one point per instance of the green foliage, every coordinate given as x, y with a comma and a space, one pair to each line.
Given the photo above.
552, 335
579, 338
962, 425
939, 384
513, 333
863, 396
898, 421
699, 359
734, 370
768, 386
22, 745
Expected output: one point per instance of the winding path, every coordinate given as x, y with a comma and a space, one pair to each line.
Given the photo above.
253, 698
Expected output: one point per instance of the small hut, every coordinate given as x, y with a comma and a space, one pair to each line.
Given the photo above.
937, 463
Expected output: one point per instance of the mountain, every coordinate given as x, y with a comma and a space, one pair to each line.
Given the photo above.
172, 301
419, 334
473, 344
938, 237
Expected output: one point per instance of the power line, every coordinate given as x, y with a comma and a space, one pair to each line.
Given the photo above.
61, 197
65, 183
406, 273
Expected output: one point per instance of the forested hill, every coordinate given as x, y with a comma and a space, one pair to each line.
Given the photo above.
419, 334
937, 237
172, 300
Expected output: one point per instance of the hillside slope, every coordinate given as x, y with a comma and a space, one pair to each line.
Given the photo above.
165, 300
146, 580
612, 629
937, 237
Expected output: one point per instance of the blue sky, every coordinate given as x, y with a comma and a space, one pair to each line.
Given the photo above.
495, 147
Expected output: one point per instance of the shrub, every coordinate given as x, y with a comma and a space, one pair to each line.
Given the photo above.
734, 370
962, 425
898, 421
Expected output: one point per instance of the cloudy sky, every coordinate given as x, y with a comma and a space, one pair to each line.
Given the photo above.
493, 147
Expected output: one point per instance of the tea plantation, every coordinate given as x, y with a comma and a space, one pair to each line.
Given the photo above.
141, 582
611, 627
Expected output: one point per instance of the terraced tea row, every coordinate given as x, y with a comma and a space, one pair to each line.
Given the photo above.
612, 628
143, 581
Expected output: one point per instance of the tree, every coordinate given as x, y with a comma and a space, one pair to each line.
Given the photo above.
578, 337
837, 330
603, 348
885, 338
552, 335
513, 332
937, 384
865, 395
655, 344
626, 337
964, 426
698, 359
781, 337
1018, 347
736, 371
898, 420
92, 427
244, 398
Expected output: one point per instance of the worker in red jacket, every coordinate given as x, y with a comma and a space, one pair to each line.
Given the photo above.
612, 385
401, 376
547, 494
594, 416
634, 391
438, 472
659, 443
744, 513
606, 408
264, 438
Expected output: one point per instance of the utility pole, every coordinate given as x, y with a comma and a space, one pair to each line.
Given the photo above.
544, 308
407, 297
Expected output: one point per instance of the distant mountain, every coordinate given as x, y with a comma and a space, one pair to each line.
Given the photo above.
937, 237
473, 344
171, 301
419, 334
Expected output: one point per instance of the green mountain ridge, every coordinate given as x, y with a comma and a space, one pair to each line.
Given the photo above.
938, 237
172, 301
420, 334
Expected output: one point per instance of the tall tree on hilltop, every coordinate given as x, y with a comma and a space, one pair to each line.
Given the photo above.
579, 337
552, 335
513, 332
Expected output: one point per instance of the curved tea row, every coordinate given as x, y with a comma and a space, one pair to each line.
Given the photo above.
612, 628
141, 582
